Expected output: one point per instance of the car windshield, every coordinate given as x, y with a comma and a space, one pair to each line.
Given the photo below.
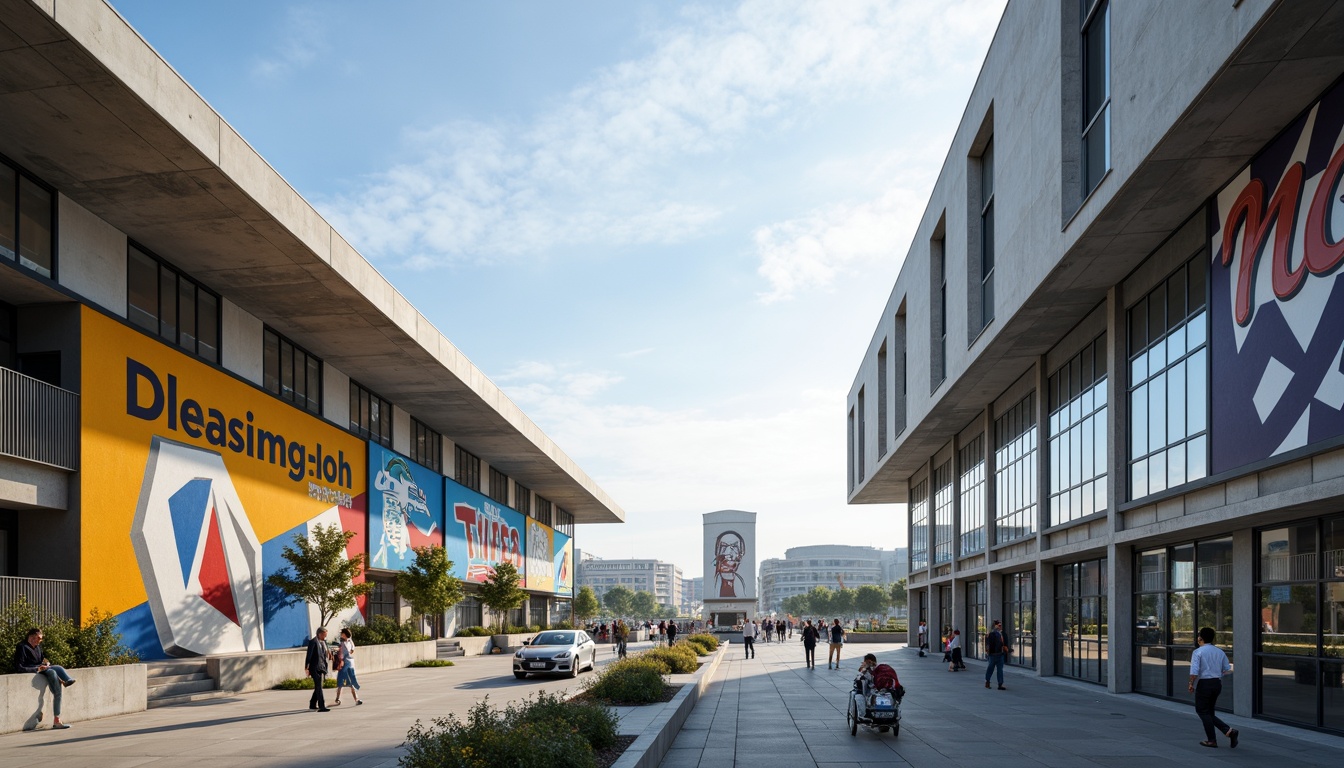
554, 638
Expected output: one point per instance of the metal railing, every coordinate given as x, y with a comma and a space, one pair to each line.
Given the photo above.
38, 422
54, 597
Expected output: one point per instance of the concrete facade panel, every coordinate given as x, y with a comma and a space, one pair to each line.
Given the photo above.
1327, 466
241, 345
92, 258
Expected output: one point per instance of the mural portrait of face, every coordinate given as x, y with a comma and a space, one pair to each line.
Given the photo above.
729, 551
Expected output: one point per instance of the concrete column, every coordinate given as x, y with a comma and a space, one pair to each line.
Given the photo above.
994, 597
1120, 618
1246, 617
1045, 619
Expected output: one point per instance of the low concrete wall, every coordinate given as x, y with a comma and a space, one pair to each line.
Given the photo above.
508, 643
101, 692
651, 746
876, 637
473, 646
244, 672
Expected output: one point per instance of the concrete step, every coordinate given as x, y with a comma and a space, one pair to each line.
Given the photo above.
157, 680
187, 698
185, 667
177, 689
449, 653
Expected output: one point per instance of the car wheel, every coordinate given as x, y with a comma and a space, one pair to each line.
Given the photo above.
574, 668
519, 675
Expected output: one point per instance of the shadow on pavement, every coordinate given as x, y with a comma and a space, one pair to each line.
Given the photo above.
167, 728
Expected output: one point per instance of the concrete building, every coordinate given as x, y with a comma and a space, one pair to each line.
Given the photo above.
662, 580
827, 565
197, 368
1107, 382
692, 595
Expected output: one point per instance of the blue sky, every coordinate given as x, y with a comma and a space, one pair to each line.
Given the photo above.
665, 230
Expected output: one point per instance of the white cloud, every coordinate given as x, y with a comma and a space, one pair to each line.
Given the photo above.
593, 169
303, 39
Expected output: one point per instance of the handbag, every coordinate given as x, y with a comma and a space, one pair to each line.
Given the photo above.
337, 662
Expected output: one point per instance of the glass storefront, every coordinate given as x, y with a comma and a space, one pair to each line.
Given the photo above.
1080, 616
973, 636
1300, 641
944, 611
1019, 617
1177, 591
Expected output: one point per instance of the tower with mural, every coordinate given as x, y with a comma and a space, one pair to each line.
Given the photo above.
730, 567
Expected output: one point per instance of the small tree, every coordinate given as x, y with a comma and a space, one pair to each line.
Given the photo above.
319, 572
585, 605
870, 600
500, 592
818, 601
643, 605
429, 584
899, 594
618, 601
842, 602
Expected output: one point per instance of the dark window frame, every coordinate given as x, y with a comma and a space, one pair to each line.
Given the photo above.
499, 486
564, 522
971, 466
426, 446
297, 353
362, 401
1076, 405
1099, 119
988, 254
1016, 496
162, 325
466, 468
919, 526
543, 511
15, 255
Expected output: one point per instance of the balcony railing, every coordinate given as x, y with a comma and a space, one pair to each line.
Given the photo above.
38, 422
52, 597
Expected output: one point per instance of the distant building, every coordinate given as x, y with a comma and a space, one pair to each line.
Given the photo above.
662, 580
692, 595
827, 565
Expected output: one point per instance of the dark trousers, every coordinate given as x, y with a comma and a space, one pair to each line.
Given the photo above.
810, 654
1206, 698
750, 644
956, 659
318, 701
995, 662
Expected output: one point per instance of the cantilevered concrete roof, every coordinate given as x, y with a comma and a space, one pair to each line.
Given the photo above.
90, 107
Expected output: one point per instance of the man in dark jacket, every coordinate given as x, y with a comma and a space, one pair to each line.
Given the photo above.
996, 648
671, 632
315, 666
28, 657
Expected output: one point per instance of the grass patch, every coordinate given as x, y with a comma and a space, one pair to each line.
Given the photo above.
302, 684
431, 663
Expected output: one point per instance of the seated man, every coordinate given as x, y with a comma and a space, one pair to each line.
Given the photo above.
28, 657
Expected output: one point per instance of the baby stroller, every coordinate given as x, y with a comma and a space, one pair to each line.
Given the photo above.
876, 704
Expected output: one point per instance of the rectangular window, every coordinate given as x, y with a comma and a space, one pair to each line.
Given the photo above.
942, 513
467, 469
850, 451
938, 317
27, 213
919, 526
522, 499
541, 511
861, 451
1080, 620
370, 415
971, 462
987, 235
564, 522
499, 486
291, 372
1168, 375
882, 401
977, 618
1078, 435
426, 446
166, 303
1019, 617
900, 373
1015, 472
1096, 79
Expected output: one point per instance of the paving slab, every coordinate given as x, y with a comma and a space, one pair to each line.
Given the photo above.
772, 710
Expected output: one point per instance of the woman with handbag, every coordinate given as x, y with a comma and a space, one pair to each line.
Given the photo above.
344, 664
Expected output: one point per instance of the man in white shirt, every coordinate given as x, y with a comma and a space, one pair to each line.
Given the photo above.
1208, 664
749, 630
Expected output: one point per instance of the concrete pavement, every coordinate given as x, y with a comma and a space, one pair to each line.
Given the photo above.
773, 711
275, 729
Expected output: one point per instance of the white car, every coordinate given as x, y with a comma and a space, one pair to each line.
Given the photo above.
556, 651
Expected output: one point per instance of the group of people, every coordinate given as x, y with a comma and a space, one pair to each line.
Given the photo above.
321, 658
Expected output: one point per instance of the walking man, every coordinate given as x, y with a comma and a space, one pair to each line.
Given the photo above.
315, 666
1208, 664
810, 638
671, 633
749, 638
996, 648
28, 657
923, 638
837, 642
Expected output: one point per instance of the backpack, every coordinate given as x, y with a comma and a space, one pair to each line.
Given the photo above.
884, 677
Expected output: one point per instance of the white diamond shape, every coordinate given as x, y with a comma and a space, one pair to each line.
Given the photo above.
1273, 382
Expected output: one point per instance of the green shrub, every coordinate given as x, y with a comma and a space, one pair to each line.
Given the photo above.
562, 625
680, 659
473, 632
95, 644
302, 684
698, 645
704, 638
633, 680
595, 722
383, 630
489, 737
431, 663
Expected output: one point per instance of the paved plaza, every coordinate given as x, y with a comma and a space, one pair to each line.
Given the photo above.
773, 711
768, 711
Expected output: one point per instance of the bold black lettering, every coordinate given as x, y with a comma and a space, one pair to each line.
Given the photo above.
297, 453
236, 443
135, 372
329, 469
275, 442
345, 479
192, 418
214, 430
172, 402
